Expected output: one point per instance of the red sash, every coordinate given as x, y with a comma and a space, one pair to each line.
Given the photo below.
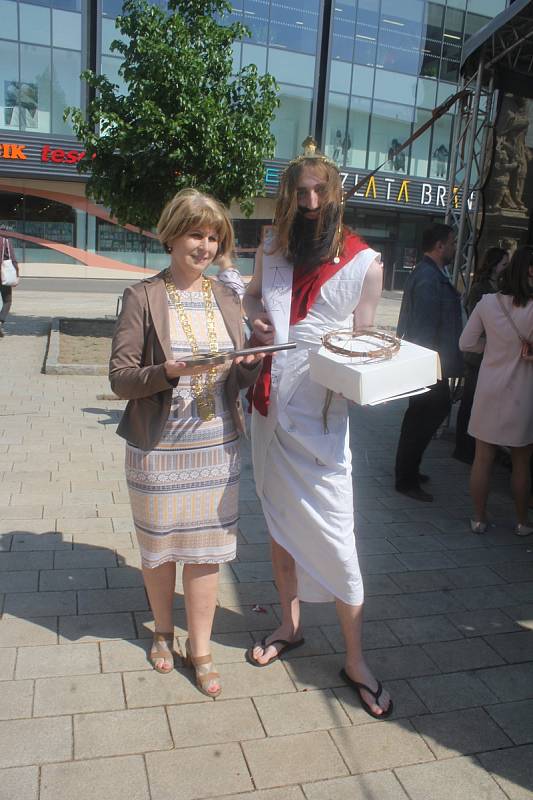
306, 285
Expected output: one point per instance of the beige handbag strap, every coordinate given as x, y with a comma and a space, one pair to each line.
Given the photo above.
523, 339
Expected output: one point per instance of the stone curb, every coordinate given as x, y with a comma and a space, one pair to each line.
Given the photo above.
52, 365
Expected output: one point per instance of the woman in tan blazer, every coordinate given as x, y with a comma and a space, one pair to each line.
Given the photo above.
182, 425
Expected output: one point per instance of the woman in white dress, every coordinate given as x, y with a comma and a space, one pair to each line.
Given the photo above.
309, 277
501, 327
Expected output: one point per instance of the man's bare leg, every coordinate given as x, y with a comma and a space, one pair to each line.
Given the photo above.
351, 621
286, 584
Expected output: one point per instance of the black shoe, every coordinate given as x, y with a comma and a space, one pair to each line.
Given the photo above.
422, 478
416, 493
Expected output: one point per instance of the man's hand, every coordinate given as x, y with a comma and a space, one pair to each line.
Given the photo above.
251, 360
263, 329
177, 369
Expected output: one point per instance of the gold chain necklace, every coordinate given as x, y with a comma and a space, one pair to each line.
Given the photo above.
203, 388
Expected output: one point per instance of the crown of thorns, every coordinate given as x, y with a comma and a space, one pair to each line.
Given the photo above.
311, 151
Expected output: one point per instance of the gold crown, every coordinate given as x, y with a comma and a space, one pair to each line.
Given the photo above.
311, 150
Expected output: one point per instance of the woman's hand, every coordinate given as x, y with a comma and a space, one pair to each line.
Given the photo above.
251, 360
178, 369
263, 329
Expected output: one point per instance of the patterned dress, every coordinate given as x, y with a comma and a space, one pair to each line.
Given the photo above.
185, 492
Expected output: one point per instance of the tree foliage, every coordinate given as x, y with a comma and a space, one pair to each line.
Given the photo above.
186, 119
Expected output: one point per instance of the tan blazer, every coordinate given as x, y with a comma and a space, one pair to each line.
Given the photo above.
141, 345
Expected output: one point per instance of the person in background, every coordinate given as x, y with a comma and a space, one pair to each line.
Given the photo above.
485, 281
182, 425
229, 275
6, 251
501, 327
430, 316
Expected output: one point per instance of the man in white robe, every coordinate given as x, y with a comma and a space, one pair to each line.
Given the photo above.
311, 275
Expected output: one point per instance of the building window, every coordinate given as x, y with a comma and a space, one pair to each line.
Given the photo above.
293, 119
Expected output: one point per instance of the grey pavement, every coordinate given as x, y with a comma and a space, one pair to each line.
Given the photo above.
449, 623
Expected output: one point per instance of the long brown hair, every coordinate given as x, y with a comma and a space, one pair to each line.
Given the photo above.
515, 278
287, 203
490, 261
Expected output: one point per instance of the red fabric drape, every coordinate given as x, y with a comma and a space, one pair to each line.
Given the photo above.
306, 285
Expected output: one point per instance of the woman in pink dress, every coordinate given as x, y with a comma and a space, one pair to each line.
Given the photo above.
501, 327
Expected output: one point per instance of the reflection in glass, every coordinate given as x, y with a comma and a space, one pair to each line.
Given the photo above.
363, 80
340, 76
357, 133
110, 67
426, 95
452, 44
8, 15
34, 103
9, 70
255, 16
253, 54
34, 24
420, 147
292, 122
390, 127
294, 26
432, 44
395, 87
366, 32
66, 87
66, 29
336, 127
294, 67
441, 147
400, 31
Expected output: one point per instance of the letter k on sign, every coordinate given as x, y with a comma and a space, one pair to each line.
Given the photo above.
13, 151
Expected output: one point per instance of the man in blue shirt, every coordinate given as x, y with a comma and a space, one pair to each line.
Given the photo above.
430, 316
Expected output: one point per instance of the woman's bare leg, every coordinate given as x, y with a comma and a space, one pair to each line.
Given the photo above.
287, 586
520, 481
159, 583
480, 478
200, 585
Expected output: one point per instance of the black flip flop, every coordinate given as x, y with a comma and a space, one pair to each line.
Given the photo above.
263, 644
376, 695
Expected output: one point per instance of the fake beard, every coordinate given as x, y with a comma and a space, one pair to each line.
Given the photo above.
309, 246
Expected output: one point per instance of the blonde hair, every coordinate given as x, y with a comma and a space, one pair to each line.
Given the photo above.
190, 209
287, 202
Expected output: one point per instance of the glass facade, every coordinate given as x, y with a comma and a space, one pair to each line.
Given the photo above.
390, 64
40, 63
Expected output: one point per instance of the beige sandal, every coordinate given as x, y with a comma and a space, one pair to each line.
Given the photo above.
202, 666
160, 653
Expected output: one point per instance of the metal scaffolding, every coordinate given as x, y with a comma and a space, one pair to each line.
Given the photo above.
498, 58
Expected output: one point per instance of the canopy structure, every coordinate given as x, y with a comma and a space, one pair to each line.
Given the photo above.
498, 59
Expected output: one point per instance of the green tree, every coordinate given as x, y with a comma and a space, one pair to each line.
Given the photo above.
186, 119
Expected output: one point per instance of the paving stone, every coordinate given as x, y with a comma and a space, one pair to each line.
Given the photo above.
150, 688
423, 581
512, 769
19, 581
424, 629
122, 778
512, 682
111, 600
25, 561
41, 541
521, 592
236, 594
316, 672
94, 627
50, 661
460, 732
251, 571
426, 561
375, 565
7, 663
400, 662
304, 711
468, 577
286, 793
24, 742
111, 541
366, 748
522, 615
462, 655
20, 782
516, 719
16, 699
406, 702
314, 614
379, 584
123, 577
74, 579
513, 647
372, 786
116, 733
461, 776
211, 723
125, 656
377, 545
40, 604
420, 604
482, 622
226, 648
16, 632
78, 525
84, 559
515, 572
24, 512
254, 529
241, 680
375, 634
452, 692
484, 597
299, 758
77, 694
199, 772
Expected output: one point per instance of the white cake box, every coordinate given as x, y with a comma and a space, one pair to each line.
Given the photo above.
410, 371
